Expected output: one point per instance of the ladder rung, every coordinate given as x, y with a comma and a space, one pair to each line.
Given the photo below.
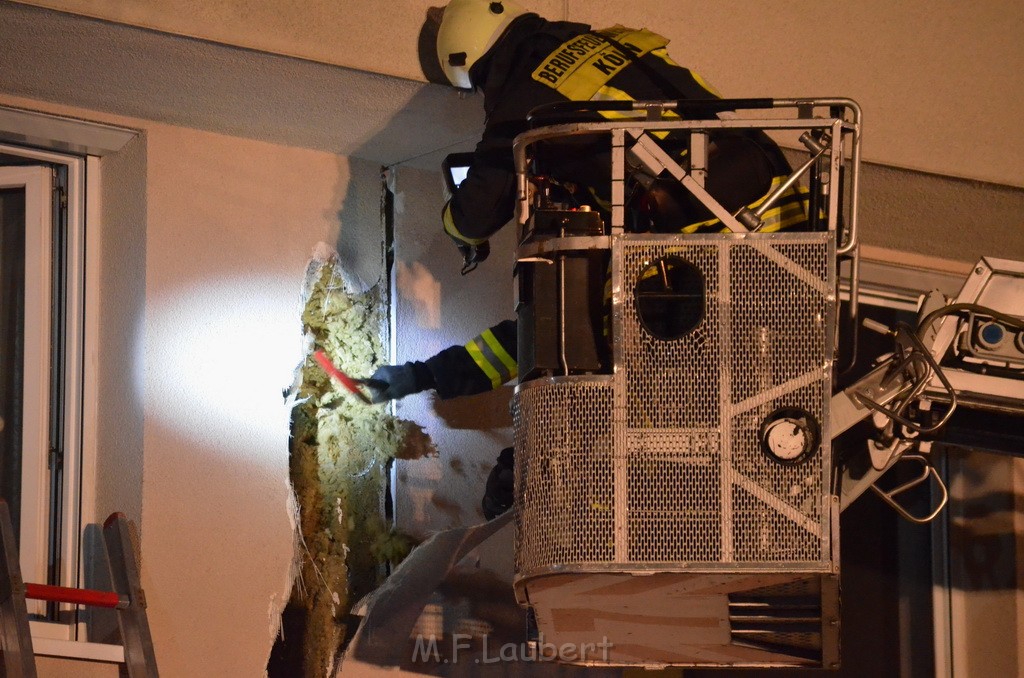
63, 594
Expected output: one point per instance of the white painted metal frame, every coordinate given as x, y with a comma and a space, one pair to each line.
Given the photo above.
993, 280
614, 556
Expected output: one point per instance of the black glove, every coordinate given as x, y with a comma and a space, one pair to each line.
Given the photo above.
500, 492
391, 382
473, 254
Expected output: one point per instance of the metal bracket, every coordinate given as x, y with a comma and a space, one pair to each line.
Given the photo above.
646, 153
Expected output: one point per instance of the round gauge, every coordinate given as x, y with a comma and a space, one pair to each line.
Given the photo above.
789, 435
786, 439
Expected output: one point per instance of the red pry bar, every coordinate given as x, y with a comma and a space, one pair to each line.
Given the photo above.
348, 382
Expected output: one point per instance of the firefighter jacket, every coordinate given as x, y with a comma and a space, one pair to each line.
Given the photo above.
484, 363
540, 62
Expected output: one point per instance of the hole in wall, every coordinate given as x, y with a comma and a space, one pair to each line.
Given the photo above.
340, 454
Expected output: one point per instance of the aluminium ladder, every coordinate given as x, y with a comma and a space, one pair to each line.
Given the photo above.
128, 599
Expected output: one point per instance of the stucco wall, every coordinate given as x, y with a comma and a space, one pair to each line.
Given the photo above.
118, 250
203, 333
232, 223
938, 81
188, 82
124, 70
940, 216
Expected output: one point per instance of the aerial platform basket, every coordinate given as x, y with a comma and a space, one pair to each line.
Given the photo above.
674, 478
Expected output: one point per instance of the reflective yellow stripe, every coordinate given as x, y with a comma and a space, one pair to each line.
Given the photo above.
704, 83
484, 365
789, 213
499, 351
662, 54
784, 216
609, 93
584, 64
449, 227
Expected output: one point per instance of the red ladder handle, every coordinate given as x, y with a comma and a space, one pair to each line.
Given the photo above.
62, 594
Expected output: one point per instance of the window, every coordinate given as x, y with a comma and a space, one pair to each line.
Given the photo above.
41, 198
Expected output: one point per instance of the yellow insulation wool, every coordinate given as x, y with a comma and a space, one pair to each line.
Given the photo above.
340, 451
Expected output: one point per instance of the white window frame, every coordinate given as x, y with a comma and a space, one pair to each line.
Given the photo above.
78, 145
37, 182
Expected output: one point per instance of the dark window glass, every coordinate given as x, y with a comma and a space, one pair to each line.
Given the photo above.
670, 297
12, 357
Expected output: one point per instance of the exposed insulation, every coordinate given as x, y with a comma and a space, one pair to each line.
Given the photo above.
340, 451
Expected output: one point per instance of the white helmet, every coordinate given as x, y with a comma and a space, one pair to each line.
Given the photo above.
470, 28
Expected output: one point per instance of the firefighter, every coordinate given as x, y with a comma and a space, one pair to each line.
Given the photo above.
520, 61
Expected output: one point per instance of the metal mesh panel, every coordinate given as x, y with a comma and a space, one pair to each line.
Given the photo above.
764, 533
661, 465
563, 474
672, 384
779, 314
672, 515
778, 319
777, 509
760, 346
